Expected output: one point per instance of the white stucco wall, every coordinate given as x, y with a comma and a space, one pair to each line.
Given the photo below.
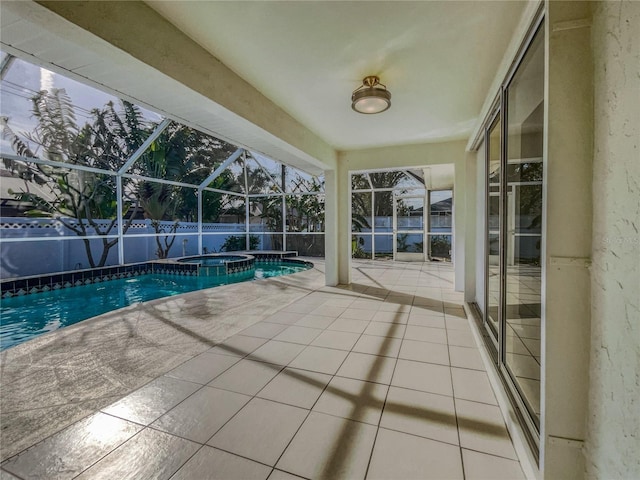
481, 219
613, 439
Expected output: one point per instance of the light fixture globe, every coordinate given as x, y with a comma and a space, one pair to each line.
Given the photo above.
371, 97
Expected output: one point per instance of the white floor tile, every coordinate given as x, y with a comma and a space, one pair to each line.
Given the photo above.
214, 464
401, 456
466, 357
472, 385
480, 466
329, 447
482, 428
264, 330
353, 399
203, 368
370, 368
202, 414
349, 325
318, 359
374, 345
138, 457
358, 314
246, 376
419, 413
424, 352
260, 431
391, 317
426, 334
336, 339
74, 449
426, 377
153, 400
381, 329
278, 353
298, 334
238, 346
299, 388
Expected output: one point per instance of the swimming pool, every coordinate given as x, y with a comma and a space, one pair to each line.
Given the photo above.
25, 317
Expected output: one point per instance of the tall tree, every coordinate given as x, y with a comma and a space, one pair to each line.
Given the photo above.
184, 155
77, 199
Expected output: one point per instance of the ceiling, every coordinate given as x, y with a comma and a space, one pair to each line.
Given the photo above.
438, 59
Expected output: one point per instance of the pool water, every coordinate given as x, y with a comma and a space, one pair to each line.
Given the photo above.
25, 317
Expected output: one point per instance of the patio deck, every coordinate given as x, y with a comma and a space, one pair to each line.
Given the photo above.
281, 378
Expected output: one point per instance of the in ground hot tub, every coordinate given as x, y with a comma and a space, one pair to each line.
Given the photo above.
220, 264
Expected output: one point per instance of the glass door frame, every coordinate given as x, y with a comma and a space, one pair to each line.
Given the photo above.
428, 227
422, 231
495, 338
497, 347
532, 423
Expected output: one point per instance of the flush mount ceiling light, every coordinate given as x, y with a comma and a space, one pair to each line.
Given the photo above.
371, 96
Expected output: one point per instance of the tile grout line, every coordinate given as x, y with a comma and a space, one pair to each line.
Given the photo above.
375, 439
312, 406
455, 408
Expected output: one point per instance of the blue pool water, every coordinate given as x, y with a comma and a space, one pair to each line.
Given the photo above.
23, 318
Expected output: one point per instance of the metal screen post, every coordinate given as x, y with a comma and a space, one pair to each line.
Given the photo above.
200, 193
120, 213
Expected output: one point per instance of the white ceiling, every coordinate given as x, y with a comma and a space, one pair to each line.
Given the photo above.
437, 58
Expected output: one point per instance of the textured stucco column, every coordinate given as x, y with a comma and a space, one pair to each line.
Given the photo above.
567, 249
460, 222
344, 222
331, 228
613, 422
471, 235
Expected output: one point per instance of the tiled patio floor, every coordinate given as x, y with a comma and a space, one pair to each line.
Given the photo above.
381, 380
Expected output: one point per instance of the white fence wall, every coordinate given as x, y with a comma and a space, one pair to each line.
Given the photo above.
62, 250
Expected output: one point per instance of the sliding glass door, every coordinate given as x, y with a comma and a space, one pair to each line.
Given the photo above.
493, 237
524, 187
514, 235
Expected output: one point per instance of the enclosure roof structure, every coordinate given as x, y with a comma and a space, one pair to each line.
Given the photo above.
275, 77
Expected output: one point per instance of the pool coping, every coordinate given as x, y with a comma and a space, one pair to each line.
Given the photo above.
54, 281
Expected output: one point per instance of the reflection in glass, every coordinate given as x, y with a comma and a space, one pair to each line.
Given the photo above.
440, 247
493, 228
525, 107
